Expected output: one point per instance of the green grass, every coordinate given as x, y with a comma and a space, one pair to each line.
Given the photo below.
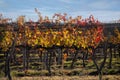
37, 68
106, 77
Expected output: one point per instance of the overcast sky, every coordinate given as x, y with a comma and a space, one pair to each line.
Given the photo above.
103, 10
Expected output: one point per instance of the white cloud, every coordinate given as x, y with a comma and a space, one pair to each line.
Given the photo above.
66, 1
29, 13
103, 16
2, 3
103, 4
48, 8
99, 5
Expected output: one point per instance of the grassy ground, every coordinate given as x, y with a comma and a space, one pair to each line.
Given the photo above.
105, 77
36, 72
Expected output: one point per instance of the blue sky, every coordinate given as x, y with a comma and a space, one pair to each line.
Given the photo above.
103, 10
